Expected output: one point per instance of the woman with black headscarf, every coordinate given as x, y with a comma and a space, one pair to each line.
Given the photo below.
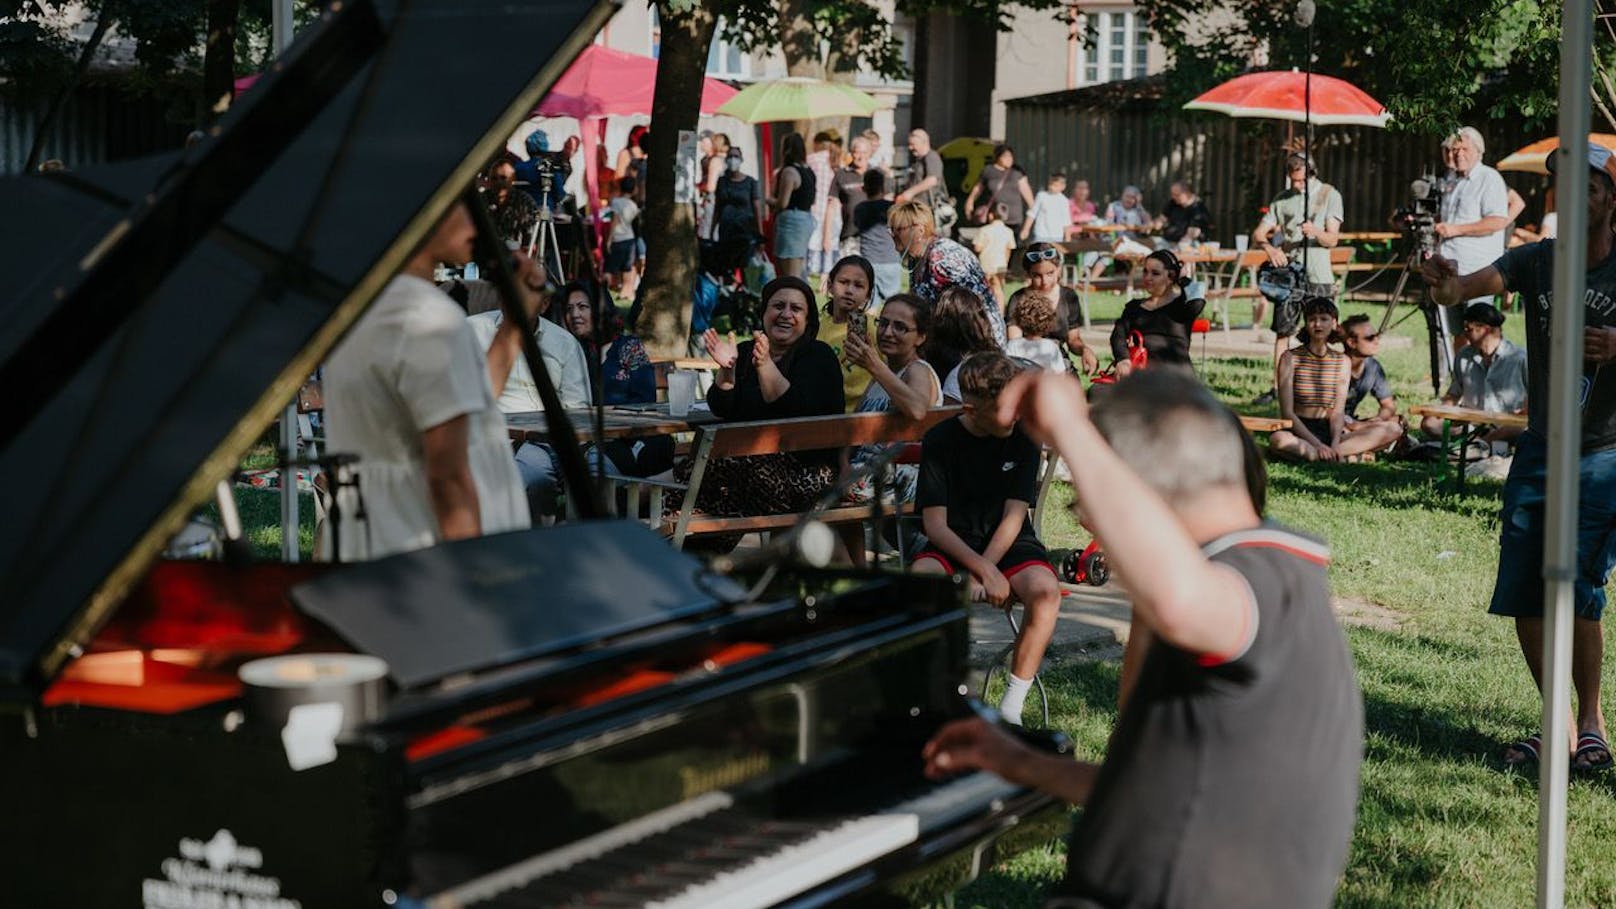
783, 371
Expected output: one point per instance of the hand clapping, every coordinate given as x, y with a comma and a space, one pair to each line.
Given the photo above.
760, 351
721, 349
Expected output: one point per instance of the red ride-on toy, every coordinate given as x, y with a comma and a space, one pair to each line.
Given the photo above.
1086, 567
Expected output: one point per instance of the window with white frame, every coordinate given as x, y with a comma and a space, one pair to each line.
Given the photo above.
726, 60
1116, 45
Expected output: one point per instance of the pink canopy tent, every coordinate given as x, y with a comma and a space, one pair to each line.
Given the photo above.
602, 83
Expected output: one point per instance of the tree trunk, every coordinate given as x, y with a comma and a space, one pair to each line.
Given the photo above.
103, 23
670, 227
219, 60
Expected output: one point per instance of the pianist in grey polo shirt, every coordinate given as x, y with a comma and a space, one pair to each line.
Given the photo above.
1232, 776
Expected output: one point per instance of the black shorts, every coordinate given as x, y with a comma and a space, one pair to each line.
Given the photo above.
1021, 555
1288, 314
620, 256
1318, 426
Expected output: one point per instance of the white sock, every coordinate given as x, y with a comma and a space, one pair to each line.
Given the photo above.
1015, 694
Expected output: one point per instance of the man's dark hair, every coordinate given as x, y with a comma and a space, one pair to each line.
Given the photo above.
1178, 436
1484, 314
982, 376
626, 184
1000, 149
875, 184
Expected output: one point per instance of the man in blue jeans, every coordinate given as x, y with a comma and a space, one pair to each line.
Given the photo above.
1518, 592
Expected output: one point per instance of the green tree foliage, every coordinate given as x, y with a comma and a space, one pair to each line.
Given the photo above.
1431, 62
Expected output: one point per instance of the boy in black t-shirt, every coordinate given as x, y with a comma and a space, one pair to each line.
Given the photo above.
978, 478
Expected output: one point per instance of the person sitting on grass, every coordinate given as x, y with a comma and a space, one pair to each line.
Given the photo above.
1244, 705
978, 479
1361, 341
1034, 319
1489, 374
1313, 382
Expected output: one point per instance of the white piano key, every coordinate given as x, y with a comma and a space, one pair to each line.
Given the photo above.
511, 877
800, 866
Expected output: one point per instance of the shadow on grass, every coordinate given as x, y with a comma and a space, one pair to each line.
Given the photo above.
1395, 484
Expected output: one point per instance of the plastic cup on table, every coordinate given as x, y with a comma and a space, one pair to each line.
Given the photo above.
1242, 242
681, 391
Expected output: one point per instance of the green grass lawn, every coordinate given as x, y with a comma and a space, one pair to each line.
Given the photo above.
1440, 824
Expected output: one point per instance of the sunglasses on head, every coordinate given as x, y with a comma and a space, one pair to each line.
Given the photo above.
1041, 255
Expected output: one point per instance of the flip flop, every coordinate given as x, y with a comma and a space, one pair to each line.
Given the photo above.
1528, 746
1591, 743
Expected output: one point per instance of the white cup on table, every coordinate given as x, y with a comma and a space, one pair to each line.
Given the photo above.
1242, 242
681, 391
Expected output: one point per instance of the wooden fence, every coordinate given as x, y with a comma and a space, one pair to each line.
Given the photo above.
1234, 165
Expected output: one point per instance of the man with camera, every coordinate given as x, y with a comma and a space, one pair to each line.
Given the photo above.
1306, 215
1474, 217
1518, 590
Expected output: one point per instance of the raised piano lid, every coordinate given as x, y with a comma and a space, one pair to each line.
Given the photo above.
494, 601
164, 397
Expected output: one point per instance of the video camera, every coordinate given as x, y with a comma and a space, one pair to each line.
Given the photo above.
1419, 218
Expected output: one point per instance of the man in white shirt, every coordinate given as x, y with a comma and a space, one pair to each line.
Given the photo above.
410, 391
1474, 217
568, 368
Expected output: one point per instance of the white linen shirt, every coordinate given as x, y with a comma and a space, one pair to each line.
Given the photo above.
409, 364
564, 360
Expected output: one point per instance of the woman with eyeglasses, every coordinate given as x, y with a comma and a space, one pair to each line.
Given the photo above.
1163, 317
1042, 262
902, 382
1361, 341
936, 263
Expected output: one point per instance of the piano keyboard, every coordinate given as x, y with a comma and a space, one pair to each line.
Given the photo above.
710, 853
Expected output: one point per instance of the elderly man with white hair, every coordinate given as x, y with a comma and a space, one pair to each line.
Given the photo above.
846, 194
1474, 218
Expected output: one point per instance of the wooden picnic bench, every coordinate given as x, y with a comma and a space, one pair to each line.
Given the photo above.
731, 440
1453, 416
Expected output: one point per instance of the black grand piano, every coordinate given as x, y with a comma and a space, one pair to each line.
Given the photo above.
577, 715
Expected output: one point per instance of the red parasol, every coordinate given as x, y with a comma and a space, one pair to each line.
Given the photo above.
1280, 95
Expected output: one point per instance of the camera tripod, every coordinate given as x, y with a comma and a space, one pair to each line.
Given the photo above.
543, 243
1441, 350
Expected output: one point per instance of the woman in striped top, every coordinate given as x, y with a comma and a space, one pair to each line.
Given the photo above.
1313, 382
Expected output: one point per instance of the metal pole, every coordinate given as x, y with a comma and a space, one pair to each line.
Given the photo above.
281, 25
281, 32
1565, 449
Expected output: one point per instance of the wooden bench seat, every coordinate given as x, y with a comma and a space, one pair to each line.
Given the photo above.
731, 440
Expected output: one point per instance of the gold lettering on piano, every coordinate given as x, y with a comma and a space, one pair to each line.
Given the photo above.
698, 780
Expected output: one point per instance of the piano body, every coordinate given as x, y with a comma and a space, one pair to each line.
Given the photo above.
577, 715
